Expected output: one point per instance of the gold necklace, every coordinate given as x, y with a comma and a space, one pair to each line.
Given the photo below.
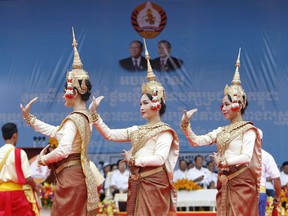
145, 132
228, 134
151, 125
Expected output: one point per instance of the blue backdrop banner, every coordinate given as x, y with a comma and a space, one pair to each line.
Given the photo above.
36, 53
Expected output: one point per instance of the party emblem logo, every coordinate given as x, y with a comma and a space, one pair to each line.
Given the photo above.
148, 19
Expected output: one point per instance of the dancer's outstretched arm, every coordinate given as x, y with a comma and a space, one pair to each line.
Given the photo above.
117, 135
36, 124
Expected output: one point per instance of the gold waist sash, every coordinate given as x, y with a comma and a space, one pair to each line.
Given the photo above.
10, 186
224, 178
67, 164
147, 173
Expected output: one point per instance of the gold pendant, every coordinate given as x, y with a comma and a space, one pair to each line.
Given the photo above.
223, 179
134, 177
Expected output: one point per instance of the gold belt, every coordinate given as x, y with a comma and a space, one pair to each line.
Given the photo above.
147, 173
224, 179
67, 164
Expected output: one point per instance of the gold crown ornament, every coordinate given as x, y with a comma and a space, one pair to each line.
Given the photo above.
153, 87
236, 91
77, 76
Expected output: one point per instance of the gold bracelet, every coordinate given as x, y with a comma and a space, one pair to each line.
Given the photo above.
41, 161
185, 126
132, 161
95, 117
30, 119
223, 162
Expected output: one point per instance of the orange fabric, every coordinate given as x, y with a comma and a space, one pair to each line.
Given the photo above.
150, 195
70, 195
239, 197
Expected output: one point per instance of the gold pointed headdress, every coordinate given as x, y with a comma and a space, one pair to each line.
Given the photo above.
236, 91
152, 87
77, 76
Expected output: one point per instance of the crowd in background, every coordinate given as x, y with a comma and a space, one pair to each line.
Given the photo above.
204, 173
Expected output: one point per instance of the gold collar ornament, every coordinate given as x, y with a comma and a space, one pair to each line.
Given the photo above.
153, 87
77, 76
236, 91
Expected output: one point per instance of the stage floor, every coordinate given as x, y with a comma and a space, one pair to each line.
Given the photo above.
187, 214
46, 212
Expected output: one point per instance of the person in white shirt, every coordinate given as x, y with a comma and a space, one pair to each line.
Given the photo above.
190, 165
269, 167
15, 172
284, 174
119, 179
105, 190
212, 175
181, 173
270, 186
198, 173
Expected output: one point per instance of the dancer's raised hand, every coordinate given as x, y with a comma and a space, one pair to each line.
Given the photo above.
187, 115
26, 110
95, 104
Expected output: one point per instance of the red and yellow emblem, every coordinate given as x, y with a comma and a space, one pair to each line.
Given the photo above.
148, 19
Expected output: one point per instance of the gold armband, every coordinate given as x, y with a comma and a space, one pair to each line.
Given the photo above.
30, 119
95, 117
185, 126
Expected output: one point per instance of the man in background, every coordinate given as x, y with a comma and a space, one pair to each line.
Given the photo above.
269, 167
119, 182
212, 176
165, 62
181, 173
198, 173
119, 179
14, 174
136, 62
284, 174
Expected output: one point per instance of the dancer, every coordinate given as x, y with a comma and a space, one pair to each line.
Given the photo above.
154, 152
76, 188
239, 153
